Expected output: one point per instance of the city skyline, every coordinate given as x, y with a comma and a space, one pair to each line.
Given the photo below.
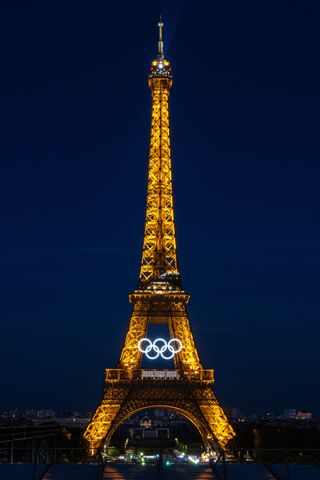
244, 117
296, 413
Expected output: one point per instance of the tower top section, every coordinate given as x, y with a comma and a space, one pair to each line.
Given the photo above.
160, 67
159, 266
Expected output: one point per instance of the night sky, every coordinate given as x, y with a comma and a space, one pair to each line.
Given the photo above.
245, 117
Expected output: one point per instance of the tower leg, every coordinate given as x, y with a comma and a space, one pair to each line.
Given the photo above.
214, 416
179, 327
104, 417
130, 355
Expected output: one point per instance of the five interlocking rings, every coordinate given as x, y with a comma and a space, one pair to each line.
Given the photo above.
159, 347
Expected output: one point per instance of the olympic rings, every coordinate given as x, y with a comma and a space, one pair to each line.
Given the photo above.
159, 346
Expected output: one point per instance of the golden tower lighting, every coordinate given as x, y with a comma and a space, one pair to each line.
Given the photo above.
159, 298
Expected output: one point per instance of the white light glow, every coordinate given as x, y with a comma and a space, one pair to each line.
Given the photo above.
159, 347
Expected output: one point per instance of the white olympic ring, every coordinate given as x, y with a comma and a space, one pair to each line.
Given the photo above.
159, 350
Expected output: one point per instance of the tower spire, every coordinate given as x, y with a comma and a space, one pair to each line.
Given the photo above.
160, 43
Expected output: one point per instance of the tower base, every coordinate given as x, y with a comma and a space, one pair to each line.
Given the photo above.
191, 397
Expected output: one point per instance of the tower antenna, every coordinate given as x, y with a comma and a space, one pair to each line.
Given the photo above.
160, 43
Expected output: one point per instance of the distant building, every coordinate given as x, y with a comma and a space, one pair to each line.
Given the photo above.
10, 414
234, 414
290, 413
145, 422
30, 413
71, 421
293, 414
302, 415
45, 413
137, 433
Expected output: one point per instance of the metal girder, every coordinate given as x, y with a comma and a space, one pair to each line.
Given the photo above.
130, 357
159, 245
179, 327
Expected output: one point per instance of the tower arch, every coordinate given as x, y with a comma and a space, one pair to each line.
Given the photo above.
199, 426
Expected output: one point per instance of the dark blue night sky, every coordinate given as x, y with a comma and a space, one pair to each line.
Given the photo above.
74, 119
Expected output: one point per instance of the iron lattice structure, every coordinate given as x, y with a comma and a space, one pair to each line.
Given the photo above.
159, 299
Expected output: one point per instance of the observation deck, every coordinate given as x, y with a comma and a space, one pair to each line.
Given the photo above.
166, 289
159, 296
116, 375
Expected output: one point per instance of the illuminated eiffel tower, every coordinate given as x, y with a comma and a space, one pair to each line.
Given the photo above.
159, 299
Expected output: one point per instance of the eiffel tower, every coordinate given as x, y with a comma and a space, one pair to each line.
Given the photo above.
159, 299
